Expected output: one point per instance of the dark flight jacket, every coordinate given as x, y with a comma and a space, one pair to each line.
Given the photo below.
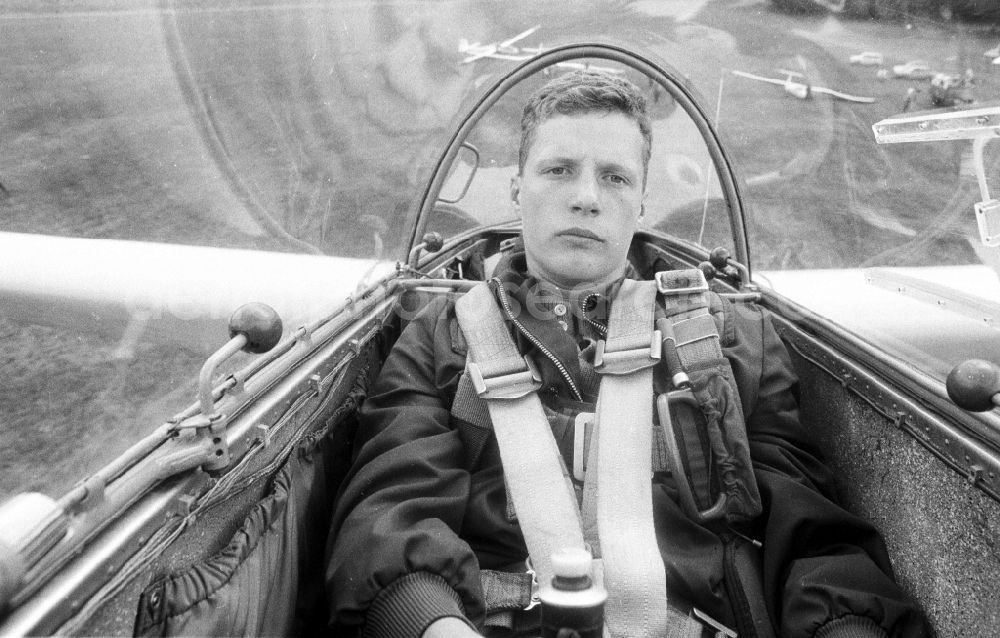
419, 514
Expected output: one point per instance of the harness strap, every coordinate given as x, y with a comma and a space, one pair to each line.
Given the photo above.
542, 494
537, 481
685, 300
623, 501
696, 340
505, 591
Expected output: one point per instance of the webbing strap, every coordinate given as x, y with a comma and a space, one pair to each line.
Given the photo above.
685, 300
679, 624
633, 568
505, 591
696, 337
543, 496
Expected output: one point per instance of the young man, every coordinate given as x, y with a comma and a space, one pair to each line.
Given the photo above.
426, 540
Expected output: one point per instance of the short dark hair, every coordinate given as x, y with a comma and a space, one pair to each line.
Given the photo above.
579, 92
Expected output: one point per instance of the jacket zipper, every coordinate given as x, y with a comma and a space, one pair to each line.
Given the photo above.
599, 327
746, 593
498, 289
734, 587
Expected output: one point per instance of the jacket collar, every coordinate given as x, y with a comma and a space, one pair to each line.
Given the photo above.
545, 301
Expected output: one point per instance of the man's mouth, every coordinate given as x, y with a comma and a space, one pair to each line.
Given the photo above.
580, 232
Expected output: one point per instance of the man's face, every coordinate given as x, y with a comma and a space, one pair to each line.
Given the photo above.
580, 197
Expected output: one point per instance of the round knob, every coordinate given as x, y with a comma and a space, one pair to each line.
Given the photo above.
433, 242
719, 257
974, 385
259, 323
708, 269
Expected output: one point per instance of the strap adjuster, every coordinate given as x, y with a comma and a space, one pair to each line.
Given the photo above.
505, 386
535, 599
628, 360
667, 282
675, 459
712, 626
582, 427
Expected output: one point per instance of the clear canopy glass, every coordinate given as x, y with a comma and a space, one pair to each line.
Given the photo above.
163, 162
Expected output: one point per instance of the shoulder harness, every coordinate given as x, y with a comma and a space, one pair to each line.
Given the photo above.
698, 430
698, 434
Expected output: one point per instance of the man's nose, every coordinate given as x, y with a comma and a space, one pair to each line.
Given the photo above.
586, 196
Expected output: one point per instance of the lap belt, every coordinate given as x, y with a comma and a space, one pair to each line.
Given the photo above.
512, 599
617, 496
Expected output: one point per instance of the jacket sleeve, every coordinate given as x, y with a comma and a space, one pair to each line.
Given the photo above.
395, 561
826, 571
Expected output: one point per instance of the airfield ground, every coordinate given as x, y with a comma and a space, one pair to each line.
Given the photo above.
97, 140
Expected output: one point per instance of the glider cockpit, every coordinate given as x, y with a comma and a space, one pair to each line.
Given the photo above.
214, 522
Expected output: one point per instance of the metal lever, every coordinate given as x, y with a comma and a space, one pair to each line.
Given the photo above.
253, 328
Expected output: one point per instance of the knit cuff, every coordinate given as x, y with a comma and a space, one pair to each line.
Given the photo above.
851, 627
410, 604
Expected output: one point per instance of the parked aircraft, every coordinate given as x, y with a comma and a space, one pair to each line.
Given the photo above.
868, 58
507, 51
501, 50
913, 70
213, 518
796, 85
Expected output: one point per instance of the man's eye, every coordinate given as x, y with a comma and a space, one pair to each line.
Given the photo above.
617, 179
557, 170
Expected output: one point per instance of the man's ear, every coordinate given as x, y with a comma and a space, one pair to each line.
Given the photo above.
515, 194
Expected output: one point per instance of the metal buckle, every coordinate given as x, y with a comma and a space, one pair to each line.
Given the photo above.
581, 436
718, 509
506, 386
628, 361
662, 284
715, 628
536, 599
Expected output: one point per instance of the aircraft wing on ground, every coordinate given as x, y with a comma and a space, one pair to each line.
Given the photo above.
497, 49
495, 56
480, 55
519, 36
759, 78
788, 83
843, 96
